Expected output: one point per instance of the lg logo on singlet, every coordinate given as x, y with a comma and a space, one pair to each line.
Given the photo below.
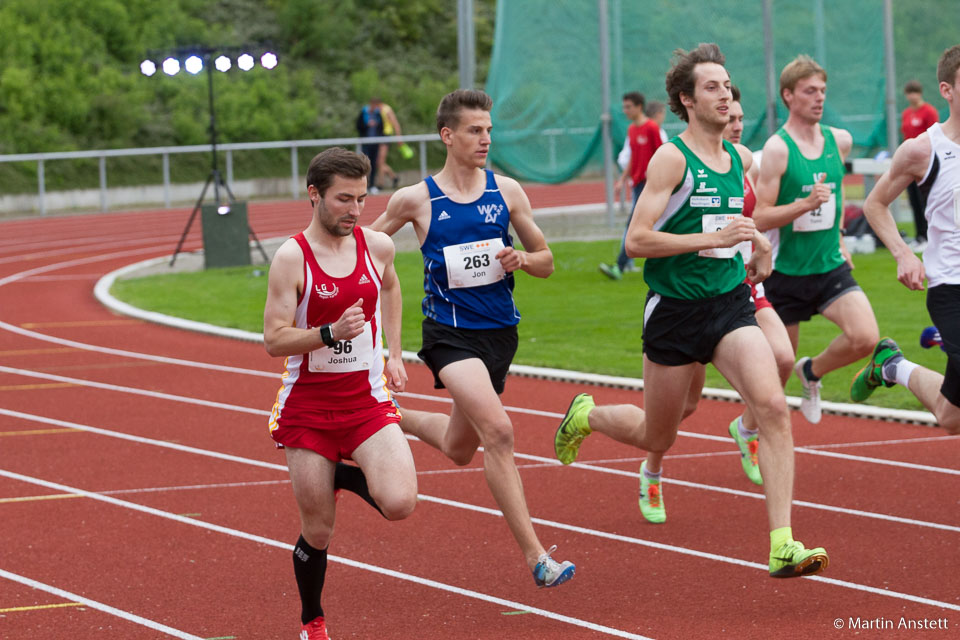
323, 293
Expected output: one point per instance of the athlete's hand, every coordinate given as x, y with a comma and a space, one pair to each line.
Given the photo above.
396, 374
350, 324
760, 266
910, 271
739, 230
511, 260
819, 194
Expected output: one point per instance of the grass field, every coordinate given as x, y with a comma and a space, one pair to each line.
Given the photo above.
576, 319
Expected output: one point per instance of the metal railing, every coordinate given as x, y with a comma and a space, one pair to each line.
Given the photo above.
228, 149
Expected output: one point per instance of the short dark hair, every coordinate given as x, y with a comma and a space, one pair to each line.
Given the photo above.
448, 113
948, 64
800, 68
336, 161
735, 92
635, 97
655, 108
681, 77
913, 86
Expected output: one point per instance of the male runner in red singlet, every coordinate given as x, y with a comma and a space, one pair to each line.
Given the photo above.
323, 313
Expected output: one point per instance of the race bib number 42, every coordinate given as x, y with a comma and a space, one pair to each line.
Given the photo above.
346, 355
473, 264
713, 222
820, 219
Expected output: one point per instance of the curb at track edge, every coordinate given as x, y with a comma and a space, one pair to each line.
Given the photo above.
102, 293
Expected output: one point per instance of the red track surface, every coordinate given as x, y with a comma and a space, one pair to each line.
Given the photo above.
102, 504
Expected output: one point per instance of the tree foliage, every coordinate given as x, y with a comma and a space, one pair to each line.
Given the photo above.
69, 76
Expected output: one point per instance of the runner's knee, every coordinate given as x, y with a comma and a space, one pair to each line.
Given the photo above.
497, 436
863, 340
398, 505
316, 531
949, 420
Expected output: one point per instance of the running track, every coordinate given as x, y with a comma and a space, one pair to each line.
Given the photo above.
140, 496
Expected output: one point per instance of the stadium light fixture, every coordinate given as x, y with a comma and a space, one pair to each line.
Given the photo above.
268, 60
171, 66
198, 57
193, 64
245, 62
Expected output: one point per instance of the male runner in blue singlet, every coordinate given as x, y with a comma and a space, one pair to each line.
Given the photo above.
461, 217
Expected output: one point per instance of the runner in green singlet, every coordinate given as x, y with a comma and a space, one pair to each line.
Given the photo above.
800, 200
688, 224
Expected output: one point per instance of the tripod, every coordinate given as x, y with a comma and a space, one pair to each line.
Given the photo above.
215, 177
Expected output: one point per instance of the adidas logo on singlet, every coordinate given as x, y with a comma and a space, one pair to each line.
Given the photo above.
364, 279
443, 216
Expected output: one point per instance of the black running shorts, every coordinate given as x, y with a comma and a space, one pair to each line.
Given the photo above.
797, 298
443, 345
678, 332
943, 303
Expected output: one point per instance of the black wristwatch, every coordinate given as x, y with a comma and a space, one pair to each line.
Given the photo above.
326, 334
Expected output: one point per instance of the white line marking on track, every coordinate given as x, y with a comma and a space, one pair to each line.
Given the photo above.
545, 462
99, 606
346, 561
539, 459
549, 414
748, 494
695, 553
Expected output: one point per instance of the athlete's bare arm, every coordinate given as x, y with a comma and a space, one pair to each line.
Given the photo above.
909, 165
280, 336
536, 257
766, 213
666, 170
844, 140
391, 306
409, 204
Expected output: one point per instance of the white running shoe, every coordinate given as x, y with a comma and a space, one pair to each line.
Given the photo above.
549, 572
810, 404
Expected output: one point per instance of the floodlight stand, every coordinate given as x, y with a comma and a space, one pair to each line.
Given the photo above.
215, 176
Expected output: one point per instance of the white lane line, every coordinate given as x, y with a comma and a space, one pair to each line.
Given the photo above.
141, 440
542, 461
697, 554
99, 606
441, 399
133, 390
338, 559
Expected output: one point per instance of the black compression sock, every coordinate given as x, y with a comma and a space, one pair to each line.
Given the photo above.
310, 568
352, 479
808, 370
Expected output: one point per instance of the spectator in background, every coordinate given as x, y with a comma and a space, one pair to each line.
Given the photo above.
370, 124
391, 127
643, 138
916, 119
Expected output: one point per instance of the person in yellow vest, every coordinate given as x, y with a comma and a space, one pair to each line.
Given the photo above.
391, 127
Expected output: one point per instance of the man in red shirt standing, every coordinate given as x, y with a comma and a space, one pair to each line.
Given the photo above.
916, 119
643, 138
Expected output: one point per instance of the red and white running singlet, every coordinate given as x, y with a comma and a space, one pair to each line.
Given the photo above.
349, 375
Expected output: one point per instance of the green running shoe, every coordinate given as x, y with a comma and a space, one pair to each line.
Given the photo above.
748, 453
792, 560
871, 376
573, 429
651, 499
612, 271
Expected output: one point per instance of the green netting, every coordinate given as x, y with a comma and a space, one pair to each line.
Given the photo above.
546, 83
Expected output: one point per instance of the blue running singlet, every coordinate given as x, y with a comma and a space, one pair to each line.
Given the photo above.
465, 285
